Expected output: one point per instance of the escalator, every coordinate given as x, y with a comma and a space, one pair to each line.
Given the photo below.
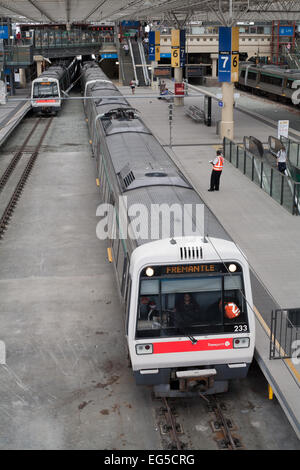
139, 62
133, 65
126, 67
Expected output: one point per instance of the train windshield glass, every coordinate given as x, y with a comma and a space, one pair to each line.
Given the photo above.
191, 306
45, 89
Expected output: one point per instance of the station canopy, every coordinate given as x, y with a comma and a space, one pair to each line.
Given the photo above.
226, 12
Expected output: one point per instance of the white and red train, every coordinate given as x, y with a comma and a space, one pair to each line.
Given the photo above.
187, 298
48, 89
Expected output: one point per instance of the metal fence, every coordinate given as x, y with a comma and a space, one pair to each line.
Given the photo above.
18, 55
280, 187
58, 38
285, 333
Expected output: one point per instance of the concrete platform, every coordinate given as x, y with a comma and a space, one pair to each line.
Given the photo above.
12, 113
265, 232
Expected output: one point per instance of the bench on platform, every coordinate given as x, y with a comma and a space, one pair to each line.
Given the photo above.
195, 113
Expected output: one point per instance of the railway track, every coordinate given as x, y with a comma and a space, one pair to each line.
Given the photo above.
222, 426
9, 209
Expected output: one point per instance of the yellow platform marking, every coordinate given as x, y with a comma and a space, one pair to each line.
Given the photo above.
270, 391
268, 331
97, 182
109, 255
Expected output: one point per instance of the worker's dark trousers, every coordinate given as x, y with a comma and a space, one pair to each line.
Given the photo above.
215, 180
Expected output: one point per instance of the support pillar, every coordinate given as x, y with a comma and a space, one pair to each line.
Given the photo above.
178, 75
22, 73
39, 64
3, 92
154, 85
227, 123
213, 67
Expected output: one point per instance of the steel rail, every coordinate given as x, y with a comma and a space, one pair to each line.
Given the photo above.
7, 214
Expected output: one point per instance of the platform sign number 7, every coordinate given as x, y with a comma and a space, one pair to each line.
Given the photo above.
224, 59
224, 67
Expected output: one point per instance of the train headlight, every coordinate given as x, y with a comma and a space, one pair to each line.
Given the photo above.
241, 343
149, 272
232, 268
144, 349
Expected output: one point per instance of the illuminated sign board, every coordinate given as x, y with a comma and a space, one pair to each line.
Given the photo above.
183, 269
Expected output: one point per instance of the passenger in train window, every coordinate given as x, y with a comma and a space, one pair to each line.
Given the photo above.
281, 160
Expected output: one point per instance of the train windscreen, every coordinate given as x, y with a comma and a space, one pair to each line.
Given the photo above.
182, 304
45, 89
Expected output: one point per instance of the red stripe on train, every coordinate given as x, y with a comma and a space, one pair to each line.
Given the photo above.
188, 346
45, 101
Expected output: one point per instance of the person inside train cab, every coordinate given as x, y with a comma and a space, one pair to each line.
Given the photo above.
148, 309
186, 311
231, 310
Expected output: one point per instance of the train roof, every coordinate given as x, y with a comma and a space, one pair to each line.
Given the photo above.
146, 174
54, 71
194, 223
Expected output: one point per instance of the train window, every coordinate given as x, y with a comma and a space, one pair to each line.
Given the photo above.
45, 89
289, 83
252, 75
243, 73
271, 79
199, 305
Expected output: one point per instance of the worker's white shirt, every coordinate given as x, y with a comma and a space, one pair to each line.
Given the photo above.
281, 156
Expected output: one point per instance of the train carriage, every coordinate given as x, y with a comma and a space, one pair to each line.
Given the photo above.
164, 260
48, 89
270, 80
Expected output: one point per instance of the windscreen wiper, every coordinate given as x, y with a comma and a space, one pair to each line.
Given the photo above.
190, 337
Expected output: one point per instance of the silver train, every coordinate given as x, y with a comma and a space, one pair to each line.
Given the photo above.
175, 286
271, 81
48, 89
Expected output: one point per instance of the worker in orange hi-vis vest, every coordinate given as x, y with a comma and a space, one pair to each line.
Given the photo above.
217, 163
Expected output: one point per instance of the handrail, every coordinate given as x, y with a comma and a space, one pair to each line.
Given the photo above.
133, 62
144, 63
260, 175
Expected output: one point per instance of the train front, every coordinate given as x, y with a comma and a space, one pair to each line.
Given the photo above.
190, 324
45, 96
